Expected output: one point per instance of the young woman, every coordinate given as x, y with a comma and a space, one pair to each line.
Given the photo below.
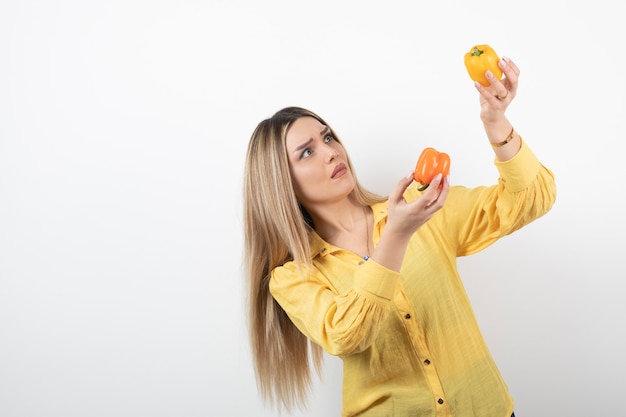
374, 280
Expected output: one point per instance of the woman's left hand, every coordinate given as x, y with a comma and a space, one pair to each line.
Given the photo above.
495, 98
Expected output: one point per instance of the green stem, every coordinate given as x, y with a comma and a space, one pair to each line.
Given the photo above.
477, 52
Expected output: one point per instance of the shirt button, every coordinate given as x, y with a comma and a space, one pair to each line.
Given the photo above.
407, 316
440, 400
427, 362
323, 250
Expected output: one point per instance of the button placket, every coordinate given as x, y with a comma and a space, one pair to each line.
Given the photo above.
421, 348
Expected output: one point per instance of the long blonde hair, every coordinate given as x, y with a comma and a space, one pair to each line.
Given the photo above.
277, 230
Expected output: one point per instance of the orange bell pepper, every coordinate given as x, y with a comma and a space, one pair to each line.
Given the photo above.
430, 163
480, 59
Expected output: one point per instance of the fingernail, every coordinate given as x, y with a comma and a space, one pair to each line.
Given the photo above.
502, 63
489, 74
410, 175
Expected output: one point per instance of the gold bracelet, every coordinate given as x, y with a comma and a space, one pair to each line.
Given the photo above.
505, 141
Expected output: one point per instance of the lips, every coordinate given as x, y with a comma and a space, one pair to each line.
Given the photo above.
339, 170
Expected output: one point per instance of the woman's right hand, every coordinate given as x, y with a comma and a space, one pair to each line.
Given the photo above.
405, 217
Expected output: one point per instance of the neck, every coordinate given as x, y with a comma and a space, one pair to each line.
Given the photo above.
340, 217
346, 225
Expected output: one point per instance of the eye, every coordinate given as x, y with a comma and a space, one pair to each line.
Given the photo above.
328, 138
306, 153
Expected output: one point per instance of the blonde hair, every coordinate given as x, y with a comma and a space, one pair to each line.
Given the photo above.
277, 230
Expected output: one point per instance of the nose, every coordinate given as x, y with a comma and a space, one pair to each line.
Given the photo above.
332, 154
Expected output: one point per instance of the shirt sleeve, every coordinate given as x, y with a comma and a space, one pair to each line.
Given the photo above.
340, 308
474, 218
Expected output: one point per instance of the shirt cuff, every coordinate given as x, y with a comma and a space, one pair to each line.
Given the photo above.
374, 280
518, 172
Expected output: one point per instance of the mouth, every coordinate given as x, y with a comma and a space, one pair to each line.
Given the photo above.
339, 170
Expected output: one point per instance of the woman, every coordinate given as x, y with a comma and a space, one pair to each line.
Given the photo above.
374, 280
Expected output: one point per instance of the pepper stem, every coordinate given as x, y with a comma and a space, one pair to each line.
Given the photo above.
423, 187
477, 52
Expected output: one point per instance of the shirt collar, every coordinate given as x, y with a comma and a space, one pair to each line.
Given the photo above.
320, 247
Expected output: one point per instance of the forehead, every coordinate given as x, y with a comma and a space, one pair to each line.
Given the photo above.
302, 130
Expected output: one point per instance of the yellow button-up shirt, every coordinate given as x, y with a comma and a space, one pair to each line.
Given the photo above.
409, 340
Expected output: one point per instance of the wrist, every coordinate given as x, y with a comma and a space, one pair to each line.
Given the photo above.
491, 118
495, 123
390, 250
500, 132
506, 140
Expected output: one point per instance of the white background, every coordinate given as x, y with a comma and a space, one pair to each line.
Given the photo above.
123, 130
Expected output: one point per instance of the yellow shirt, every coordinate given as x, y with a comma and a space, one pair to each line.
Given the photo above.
409, 341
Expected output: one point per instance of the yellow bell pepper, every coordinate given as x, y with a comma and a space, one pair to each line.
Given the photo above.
480, 59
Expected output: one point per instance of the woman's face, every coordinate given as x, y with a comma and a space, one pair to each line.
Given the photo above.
318, 163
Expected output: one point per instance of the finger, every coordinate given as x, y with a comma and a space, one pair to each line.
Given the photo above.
438, 200
496, 91
444, 190
511, 73
398, 192
508, 67
490, 93
499, 88
495, 85
432, 193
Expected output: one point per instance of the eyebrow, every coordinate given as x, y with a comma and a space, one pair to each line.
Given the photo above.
324, 131
304, 145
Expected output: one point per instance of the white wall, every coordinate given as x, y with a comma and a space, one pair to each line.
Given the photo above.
123, 129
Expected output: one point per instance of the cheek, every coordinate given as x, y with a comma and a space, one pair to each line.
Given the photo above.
306, 181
